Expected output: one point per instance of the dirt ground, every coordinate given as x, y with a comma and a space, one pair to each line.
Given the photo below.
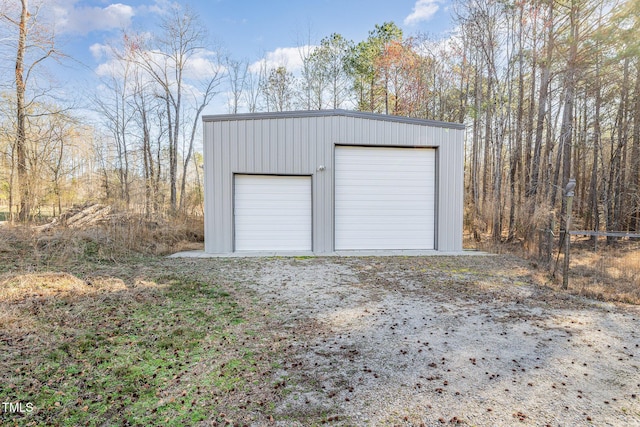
472, 340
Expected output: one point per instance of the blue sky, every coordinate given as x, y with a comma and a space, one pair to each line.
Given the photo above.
246, 29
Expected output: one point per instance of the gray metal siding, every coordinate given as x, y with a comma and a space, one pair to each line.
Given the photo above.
450, 189
289, 144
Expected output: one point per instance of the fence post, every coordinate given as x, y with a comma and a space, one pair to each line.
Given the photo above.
549, 236
571, 185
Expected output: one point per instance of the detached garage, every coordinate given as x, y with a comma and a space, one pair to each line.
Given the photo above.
332, 180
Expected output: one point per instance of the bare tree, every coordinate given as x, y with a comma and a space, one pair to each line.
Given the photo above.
146, 107
166, 58
237, 72
201, 99
277, 89
116, 109
325, 80
34, 44
312, 80
253, 86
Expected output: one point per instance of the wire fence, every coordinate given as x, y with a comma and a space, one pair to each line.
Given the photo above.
602, 265
605, 263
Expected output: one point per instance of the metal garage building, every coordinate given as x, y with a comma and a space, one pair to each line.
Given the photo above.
332, 180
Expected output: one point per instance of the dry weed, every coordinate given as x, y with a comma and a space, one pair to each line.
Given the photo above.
610, 274
15, 287
23, 248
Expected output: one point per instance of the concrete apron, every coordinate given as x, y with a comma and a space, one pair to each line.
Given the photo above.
354, 253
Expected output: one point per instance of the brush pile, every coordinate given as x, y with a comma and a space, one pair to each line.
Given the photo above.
81, 217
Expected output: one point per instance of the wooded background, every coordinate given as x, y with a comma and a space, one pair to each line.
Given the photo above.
548, 90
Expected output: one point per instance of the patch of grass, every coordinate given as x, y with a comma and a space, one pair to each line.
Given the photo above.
164, 353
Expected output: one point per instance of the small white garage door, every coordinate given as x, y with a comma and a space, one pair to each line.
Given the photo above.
272, 212
384, 198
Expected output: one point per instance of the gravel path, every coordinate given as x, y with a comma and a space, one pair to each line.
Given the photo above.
442, 341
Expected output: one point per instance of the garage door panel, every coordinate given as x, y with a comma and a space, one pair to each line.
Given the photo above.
384, 181
283, 226
383, 221
272, 212
384, 216
402, 173
291, 213
373, 190
384, 198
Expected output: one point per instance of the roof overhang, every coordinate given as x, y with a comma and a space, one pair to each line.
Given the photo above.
332, 113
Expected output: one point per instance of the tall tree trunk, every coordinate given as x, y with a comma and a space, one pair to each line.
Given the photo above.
12, 173
593, 186
124, 170
516, 154
566, 129
635, 154
156, 180
23, 184
475, 155
147, 157
173, 171
615, 205
542, 112
547, 172
173, 152
614, 170
623, 135
183, 183
527, 164
580, 158
486, 164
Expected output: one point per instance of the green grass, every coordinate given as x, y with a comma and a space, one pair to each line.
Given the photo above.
164, 355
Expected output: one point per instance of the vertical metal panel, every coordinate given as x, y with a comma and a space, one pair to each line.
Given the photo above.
323, 199
458, 141
209, 188
450, 209
219, 188
290, 145
227, 180
298, 146
240, 142
305, 145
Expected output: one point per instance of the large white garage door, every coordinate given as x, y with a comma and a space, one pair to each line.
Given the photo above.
384, 198
272, 212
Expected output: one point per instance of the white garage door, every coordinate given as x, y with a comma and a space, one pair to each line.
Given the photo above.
384, 198
272, 212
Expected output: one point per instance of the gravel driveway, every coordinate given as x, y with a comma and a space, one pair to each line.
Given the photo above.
470, 340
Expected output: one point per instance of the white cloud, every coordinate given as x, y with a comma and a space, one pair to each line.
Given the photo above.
203, 64
85, 19
111, 68
423, 10
160, 7
452, 42
289, 57
99, 51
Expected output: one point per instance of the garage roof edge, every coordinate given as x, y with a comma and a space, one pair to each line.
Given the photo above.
328, 113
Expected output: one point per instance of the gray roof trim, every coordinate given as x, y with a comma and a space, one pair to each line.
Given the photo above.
326, 113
